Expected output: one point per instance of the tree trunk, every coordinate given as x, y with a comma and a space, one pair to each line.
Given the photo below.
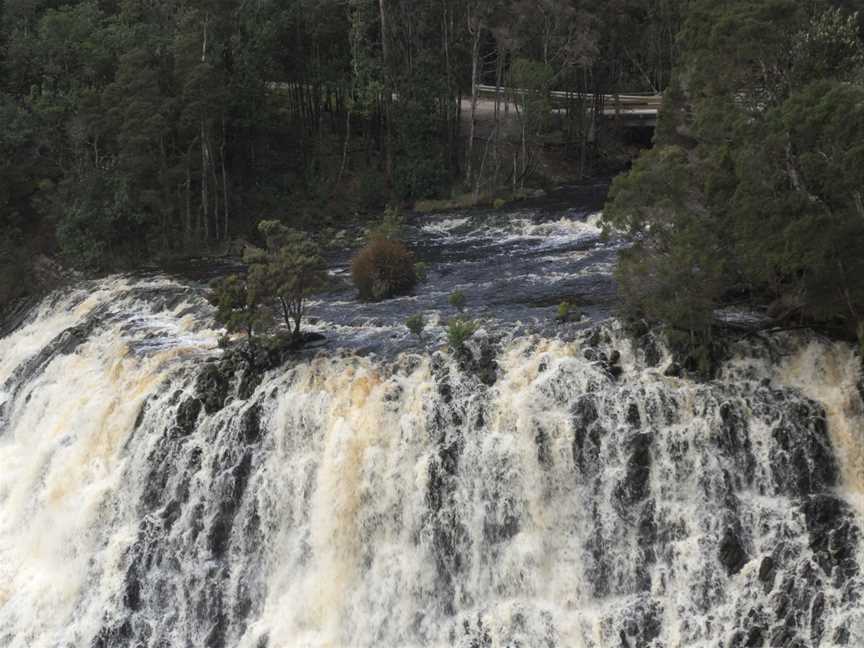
472, 132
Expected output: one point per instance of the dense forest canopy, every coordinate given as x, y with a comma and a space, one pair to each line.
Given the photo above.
134, 129
753, 192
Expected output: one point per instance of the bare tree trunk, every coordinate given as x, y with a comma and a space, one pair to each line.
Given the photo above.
475, 72
388, 91
344, 162
225, 210
205, 194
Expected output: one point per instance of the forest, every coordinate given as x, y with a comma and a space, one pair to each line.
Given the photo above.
752, 194
134, 131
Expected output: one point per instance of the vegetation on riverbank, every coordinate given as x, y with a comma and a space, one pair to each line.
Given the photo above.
752, 195
134, 131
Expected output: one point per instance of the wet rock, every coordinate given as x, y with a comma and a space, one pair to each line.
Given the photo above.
634, 487
732, 554
232, 490
187, 416
541, 439
212, 388
833, 536
643, 627
633, 418
65, 343
586, 436
752, 638
802, 463
841, 636
250, 424
767, 572
817, 622
733, 438
650, 350
673, 370
479, 357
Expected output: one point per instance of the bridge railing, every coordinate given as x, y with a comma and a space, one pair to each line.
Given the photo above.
629, 101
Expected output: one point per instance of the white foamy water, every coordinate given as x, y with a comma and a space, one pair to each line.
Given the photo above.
150, 497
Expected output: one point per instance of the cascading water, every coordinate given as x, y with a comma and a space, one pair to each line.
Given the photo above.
156, 494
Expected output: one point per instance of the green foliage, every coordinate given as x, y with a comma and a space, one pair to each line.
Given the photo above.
371, 188
421, 269
459, 331
567, 312
140, 130
289, 271
15, 277
457, 300
416, 323
753, 192
391, 226
239, 305
383, 269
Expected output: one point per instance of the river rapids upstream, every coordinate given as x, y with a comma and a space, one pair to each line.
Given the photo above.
553, 488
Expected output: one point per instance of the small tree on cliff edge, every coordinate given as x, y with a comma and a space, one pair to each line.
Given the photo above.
289, 271
238, 305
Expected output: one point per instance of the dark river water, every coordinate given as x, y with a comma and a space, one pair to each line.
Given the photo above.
514, 266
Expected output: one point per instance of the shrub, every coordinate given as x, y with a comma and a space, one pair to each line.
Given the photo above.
382, 269
290, 271
416, 323
567, 312
457, 300
564, 311
238, 305
421, 269
458, 332
391, 226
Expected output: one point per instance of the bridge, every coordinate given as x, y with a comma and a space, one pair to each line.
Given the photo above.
632, 110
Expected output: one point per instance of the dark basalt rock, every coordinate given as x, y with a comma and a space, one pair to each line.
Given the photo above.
752, 638
643, 627
212, 387
65, 343
586, 434
187, 415
633, 418
479, 358
651, 354
232, 489
841, 636
833, 537
732, 554
767, 572
250, 424
634, 487
674, 370
733, 438
817, 623
803, 462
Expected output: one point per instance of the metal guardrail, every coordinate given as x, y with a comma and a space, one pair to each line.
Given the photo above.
629, 101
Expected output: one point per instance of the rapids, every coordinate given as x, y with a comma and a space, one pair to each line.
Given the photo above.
155, 492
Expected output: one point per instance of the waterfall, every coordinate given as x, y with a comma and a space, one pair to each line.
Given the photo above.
156, 492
